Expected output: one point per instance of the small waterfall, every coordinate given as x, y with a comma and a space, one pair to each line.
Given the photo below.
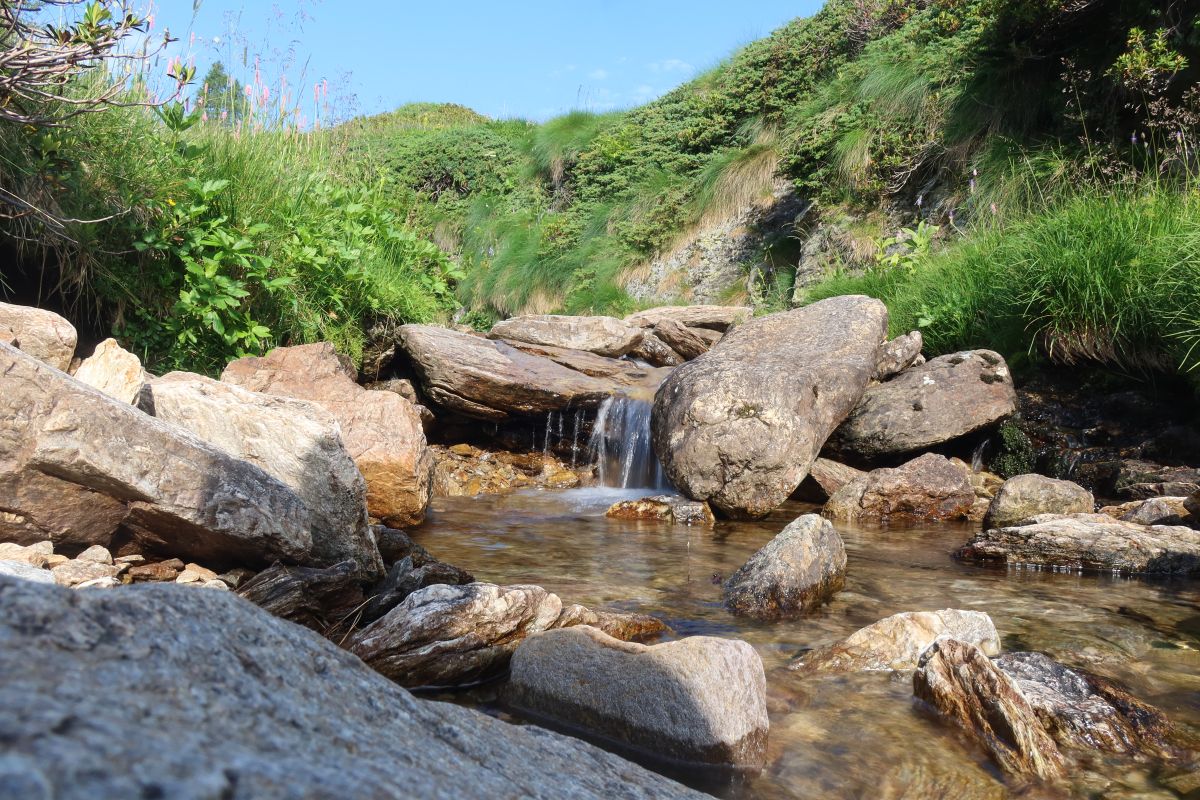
620, 446
977, 456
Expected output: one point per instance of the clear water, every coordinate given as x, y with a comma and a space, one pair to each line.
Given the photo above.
856, 736
620, 446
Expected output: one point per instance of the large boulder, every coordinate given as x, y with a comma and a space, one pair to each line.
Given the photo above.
1089, 542
77, 465
492, 380
928, 487
381, 430
795, 572
115, 371
297, 441
605, 336
168, 691
1025, 496
741, 424
946, 398
896, 642
717, 318
42, 334
699, 699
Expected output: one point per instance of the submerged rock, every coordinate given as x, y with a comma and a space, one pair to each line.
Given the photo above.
717, 318
896, 642
114, 371
465, 471
1025, 496
741, 424
381, 430
898, 355
663, 508
929, 487
793, 573
169, 691
42, 334
964, 686
699, 699
1093, 542
940, 401
605, 336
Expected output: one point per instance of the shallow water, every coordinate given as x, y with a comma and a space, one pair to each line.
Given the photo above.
860, 735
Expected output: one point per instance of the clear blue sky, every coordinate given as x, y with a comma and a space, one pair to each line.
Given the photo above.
528, 58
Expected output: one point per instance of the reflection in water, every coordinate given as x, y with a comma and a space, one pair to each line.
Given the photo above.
849, 736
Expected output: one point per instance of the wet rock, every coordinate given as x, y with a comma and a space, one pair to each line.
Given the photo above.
115, 371
296, 441
928, 487
898, 355
271, 712
794, 573
42, 334
655, 352
1155, 511
466, 471
896, 642
825, 477
717, 318
605, 336
96, 553
699, 699
626, 627
964, 686
1025, 496
404, 578
663, 508
73, 573
381, 430
492, 380
741, 425
397, 545
25, 571
107, 466
942, 400
1091, 542
689, 343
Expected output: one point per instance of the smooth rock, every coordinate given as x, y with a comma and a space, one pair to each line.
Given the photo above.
663, 508
964, 686
929, 488
73, 573
1090, 542
689, 343
1155, 511
942, 400
168, 691
25, 571
42, 334
794, 573
617, 372
36, 555
605, 336
115, 371
103, 582
717, 318
1025, 496
296, 441
825, 477
96, 553
896, 642
381, 430
898, 355
655, 352
626, 627
699, 699
741, 424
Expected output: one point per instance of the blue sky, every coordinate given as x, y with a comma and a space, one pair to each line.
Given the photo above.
530, 58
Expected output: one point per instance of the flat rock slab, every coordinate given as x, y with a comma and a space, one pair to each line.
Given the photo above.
942, 400
699, 699
1025, 496
740, 425
717, 318
161, 690
896, 642
605, 336
794, 573
930, 487
1090, 542
42, 334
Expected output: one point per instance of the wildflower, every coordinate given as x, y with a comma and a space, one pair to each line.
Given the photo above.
993, 208
171, 201
204, 116
920, 200
1133, 138
971, 184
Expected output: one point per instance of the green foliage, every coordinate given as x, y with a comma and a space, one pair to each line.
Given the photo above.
1015, 454
908, 248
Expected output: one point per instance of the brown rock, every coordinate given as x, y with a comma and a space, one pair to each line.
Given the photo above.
1155, 511
717, 318
794, 573
618, 372
1025, 496
42, 334
605, 336
73, 573
689, 343
663, 508
898, 355
825, 477
655, 352
159, 571
929, 487
626, 627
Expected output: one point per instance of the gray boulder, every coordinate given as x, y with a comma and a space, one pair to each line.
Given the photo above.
793, 573
940, 401
26, 571
605, 336
741, 424
698, 699
1025, 496
42, 334
160, 690
930, 487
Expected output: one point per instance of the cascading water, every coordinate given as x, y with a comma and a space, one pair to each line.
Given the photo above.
620, 446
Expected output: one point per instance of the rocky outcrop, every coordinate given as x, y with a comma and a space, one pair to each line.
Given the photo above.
605, 336
655, 352
114, 371
1025, 496
463, 470
42, 334
296, 441
381, 430
1090, 542
77, 465
617, 372
663, 508
492, 380
966, 688
689, 343
896, 642
795, 572
898, 355
923, 407
699, 699
741, 424
717, 318
1132, 479
170, 691
930, 487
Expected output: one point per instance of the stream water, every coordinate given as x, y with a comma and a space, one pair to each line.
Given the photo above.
860, 735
